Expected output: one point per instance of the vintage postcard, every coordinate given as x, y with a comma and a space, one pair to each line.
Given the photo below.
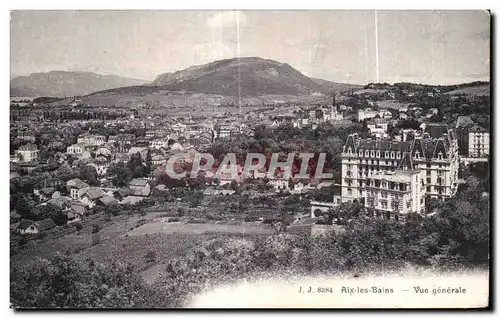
250, 159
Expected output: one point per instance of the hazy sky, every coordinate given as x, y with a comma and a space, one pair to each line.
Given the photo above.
418, 46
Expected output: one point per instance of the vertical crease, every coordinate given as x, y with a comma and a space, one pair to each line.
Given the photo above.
376, 46
238, 59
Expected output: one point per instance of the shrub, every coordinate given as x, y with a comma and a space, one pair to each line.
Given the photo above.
150, 256
140, 223
78, 226
197, 221
95, 228
96, 238
182, 211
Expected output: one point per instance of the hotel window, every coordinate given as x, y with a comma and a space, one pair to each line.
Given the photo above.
398, 155
349, 191
440, 156
428, 189
349, 150
387, 154
367, 153
392, 154
372, 154
417, 154
361, 153
378, 153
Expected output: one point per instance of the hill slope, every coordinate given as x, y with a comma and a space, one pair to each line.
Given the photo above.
336, 87
478, 90
248, 76
246, 81
64, 84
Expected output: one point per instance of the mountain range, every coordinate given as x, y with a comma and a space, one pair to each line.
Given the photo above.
237, 77
66, 84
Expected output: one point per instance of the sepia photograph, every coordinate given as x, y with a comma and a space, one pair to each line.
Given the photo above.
246, 159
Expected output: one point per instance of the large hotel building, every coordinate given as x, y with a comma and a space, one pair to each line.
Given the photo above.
395, 177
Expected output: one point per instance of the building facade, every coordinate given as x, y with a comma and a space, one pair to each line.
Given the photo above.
436, 159
91, 140
479, 142
27, 153
394, 194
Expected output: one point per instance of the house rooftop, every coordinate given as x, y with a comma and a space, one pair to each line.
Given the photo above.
31, 147
45, 224
94, 193
24, 224
138, 182
108, 200
77, 183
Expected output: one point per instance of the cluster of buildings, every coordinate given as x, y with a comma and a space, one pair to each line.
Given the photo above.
81, 198
394, 177
390, 175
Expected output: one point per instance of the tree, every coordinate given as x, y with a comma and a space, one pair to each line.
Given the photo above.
235, 187
150, 256
134, 162
89, 174
78, 227
22, 204
95, 228
120, 173
148, 162
96, 238
49, 211
63, 282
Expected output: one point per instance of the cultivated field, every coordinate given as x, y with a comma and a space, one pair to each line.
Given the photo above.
392, 104
204, 228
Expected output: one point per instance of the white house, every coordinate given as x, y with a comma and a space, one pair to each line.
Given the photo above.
27, 153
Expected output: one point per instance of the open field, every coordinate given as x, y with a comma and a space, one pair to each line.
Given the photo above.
481, 90
173, 100
127, 239
392, 104
74, 241
205, 228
